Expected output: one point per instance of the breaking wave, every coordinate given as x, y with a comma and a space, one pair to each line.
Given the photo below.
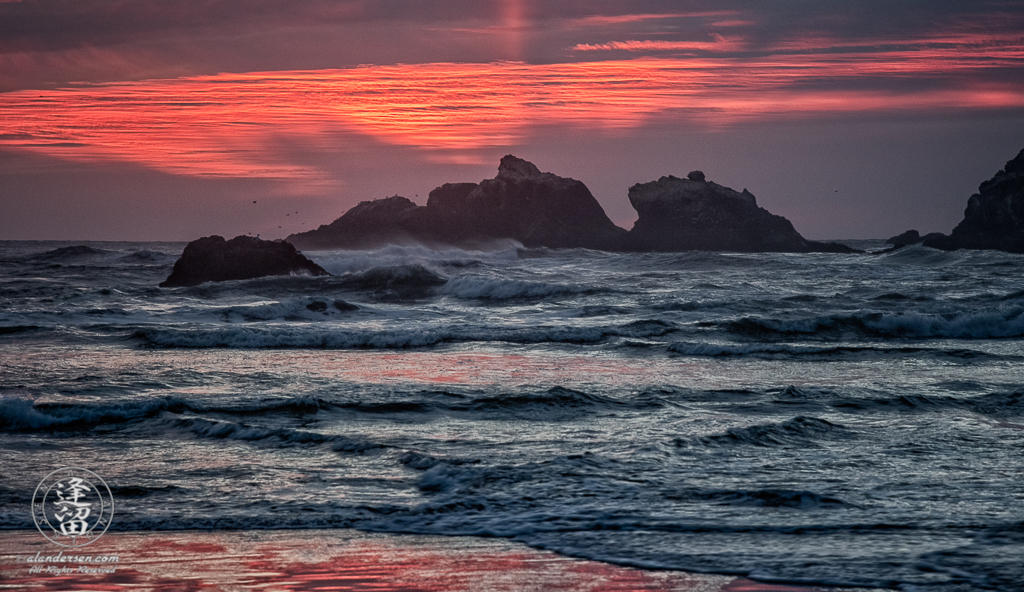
769, 498
403, 281
799, 431
19, 413
300, 309
282, 437
23, 414
68, 253
779, 349
482, 288
348, 262
305, 337
1004, 322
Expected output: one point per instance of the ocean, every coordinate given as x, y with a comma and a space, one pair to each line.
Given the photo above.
802, 418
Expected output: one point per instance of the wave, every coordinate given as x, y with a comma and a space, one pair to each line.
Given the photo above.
557, 398
769, 498
703, 349
799, 431
926, 256
1004, 322
24, 415
282, 437
554, 399
403, 281
482, 288
147, 256
138, 491
301, 309
70, 253
994, 404
305, 337
18, 329
347, 262
19, 413
919, 255
1000, 404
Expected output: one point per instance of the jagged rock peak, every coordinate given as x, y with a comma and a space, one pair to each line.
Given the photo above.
697, 176
994, 218
512, 168
1010, 173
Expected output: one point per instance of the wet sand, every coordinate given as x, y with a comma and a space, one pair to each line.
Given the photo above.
346, 560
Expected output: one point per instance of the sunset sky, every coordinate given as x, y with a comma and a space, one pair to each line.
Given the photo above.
167, 119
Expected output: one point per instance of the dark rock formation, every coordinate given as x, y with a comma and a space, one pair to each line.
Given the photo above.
994, 218
545, 210
392, 220
535, 208
213, 259
695, 214
520, 203
910, 237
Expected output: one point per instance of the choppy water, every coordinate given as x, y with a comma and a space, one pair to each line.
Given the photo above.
842, 419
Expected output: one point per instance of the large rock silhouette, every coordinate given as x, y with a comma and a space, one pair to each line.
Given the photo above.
994, 218
695, 214
392, 220
521, 203
213, 259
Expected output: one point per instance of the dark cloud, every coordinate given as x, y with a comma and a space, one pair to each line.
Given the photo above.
64, 24
53, 42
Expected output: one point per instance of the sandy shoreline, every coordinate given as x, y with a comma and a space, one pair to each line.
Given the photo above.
301, 560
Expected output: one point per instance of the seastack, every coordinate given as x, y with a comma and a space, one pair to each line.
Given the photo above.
994, 218
521, 203
694, 214
213, 259
393, 220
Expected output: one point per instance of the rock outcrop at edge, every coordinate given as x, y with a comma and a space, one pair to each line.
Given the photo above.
994, 218
694, 214
213, 259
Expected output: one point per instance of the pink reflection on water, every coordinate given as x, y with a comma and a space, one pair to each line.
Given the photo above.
481, 369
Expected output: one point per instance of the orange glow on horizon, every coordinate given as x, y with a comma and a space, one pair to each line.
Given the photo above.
253, 124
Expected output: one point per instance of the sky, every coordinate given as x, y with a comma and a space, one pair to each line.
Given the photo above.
175, 119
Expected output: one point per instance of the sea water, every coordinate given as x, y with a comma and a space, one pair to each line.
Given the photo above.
818, 418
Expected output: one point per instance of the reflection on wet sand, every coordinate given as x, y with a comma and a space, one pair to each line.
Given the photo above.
341, 560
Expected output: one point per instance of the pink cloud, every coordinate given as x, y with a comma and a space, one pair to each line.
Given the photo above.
733, 23
720, 44
251, 125
601, 20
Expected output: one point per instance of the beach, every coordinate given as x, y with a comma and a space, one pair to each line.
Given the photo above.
334, 560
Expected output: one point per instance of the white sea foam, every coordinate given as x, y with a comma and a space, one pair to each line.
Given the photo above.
342, 262
486, 288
